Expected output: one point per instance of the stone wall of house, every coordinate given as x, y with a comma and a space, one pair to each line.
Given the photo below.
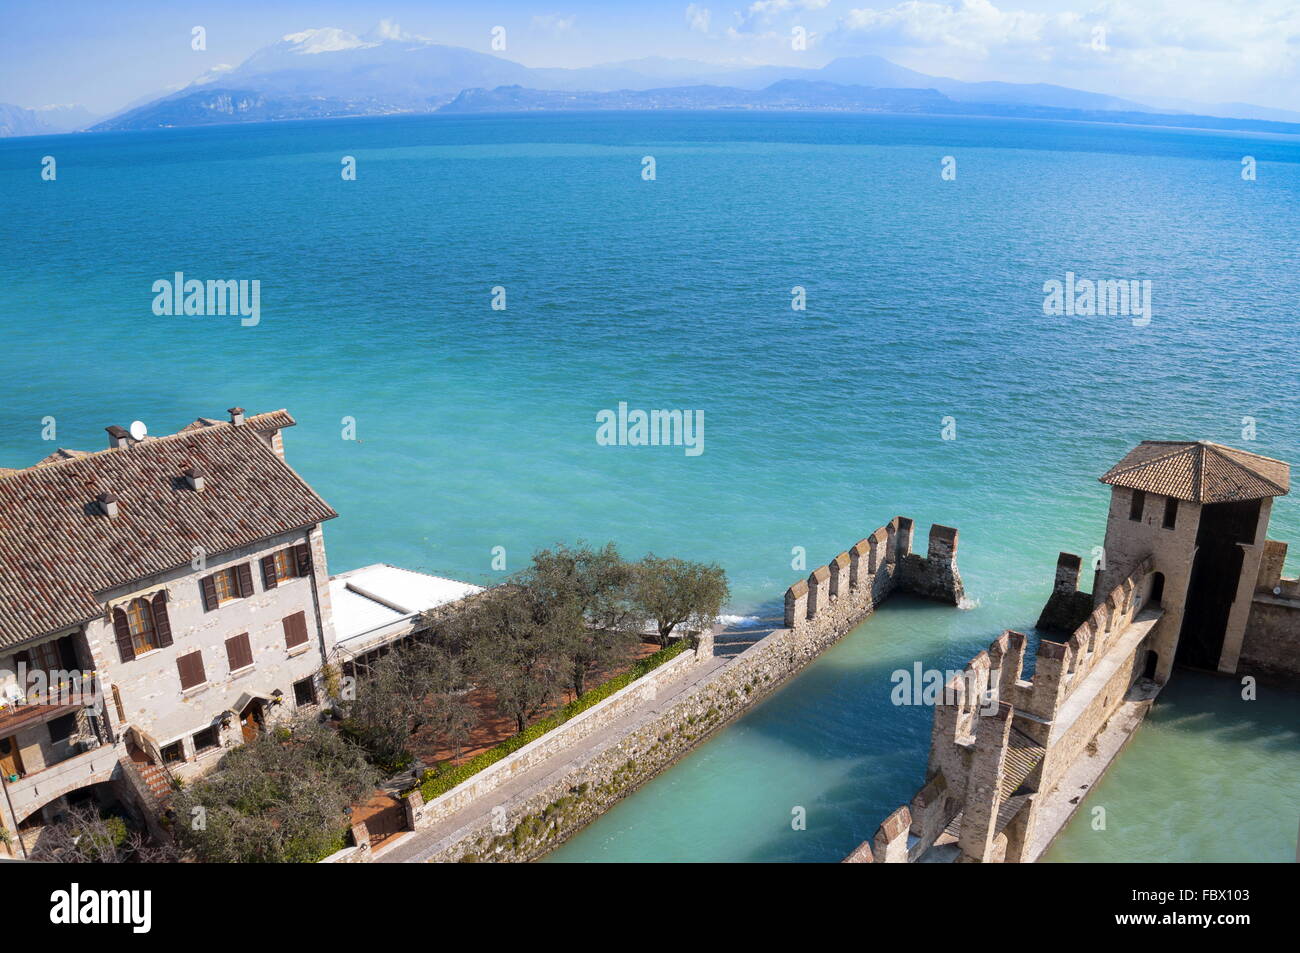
819, 611
1270, 649
149, 685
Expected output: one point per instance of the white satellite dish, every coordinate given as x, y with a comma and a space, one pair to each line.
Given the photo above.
138, 430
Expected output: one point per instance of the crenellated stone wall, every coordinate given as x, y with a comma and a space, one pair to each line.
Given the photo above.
1066, 607
1001, 744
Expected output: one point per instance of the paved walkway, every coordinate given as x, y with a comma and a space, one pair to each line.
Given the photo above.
419, 846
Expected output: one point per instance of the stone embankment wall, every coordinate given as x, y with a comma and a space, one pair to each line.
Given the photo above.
819, 611
1271, 647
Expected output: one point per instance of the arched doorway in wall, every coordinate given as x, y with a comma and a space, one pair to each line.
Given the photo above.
1216, 570
1157, 589
1151, 664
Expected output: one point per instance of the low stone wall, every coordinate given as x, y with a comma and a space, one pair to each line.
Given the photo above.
1271, 647
819, 612
544, 819
564, 736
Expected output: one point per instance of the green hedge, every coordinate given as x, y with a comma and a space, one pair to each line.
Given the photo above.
441, 779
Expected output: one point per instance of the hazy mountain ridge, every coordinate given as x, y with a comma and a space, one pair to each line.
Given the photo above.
43, 120
329, 72
785, 94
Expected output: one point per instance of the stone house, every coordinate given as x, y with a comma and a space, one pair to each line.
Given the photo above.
160, 601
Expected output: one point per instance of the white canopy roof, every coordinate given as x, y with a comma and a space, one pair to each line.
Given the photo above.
379, 603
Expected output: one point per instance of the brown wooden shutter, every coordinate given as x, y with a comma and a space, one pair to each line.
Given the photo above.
125, 647
295, 630
239, 652
302, 556
244, 572
209, 593
268, 572
162, 626
191, 670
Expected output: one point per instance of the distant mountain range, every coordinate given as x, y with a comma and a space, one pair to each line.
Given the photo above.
329, 72
793, 94
45, 121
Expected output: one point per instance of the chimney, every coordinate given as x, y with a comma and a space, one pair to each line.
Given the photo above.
236, 416
194, 477
108, 504
118, 438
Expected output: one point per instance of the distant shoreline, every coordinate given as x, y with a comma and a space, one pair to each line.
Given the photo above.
1211, 124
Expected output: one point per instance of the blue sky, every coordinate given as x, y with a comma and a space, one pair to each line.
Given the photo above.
105, 54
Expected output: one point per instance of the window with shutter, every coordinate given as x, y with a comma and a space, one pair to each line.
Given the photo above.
226, 585
162, 625
239, 652
191, 670
209, 586
270, 578
295, 630
302, 552
141, 627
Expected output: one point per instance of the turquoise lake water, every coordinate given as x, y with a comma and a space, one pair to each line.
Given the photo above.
476, 428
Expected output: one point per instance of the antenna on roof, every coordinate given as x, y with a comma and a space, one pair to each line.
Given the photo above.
138, 430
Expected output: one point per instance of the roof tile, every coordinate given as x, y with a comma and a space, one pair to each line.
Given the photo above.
1199, 472
57, 552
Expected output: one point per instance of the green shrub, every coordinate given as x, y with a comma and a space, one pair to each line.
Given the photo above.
441, 779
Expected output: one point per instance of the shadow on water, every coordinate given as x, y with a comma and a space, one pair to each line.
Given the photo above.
1210, 776
830, 746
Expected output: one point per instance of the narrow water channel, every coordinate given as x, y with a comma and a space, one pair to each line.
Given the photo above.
1209, 777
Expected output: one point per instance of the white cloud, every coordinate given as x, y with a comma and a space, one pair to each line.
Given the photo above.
698, 18
554, 23
1203, 48
387, 30
761, 13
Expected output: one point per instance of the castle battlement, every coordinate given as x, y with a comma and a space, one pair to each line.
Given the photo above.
1186, 576
853, 583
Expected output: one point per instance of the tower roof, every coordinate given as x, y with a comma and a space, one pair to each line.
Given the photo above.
1199, 472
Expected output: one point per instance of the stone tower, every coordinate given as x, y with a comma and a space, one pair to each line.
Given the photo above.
1200, 511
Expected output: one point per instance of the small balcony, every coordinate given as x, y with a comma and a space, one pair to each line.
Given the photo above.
52, 742
39, 788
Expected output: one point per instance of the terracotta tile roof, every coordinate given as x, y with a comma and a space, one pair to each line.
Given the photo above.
1199, 472
58, 456
57, 551
273, 420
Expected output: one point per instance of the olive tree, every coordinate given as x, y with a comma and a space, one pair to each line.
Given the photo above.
511, 644
676, 592
84, 835
587, 594
281, 798
411, 686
